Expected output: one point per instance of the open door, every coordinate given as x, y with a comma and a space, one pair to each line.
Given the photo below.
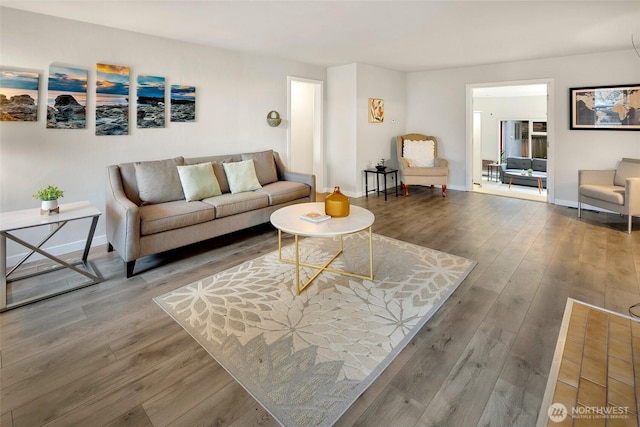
513, 123
305, 147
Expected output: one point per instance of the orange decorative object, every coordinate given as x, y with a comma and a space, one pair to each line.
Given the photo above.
336, 204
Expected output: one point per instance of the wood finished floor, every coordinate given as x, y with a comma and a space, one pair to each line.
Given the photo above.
107, 355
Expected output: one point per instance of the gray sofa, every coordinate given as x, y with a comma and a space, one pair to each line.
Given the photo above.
517, 164
147, 212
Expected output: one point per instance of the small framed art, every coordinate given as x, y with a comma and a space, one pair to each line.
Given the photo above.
376, 110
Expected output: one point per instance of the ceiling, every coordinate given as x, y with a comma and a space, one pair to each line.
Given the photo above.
416, 35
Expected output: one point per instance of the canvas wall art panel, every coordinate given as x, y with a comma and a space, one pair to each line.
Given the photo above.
605, 107
112, 99
151, 106
183, 103
376, 110
67, 98
18, 95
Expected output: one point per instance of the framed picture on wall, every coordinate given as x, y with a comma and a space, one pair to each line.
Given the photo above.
67, 98
376, 110
18, 95
605, 107
112, 99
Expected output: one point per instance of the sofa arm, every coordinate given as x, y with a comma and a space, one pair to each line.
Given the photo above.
122, 218
596, 177
632, 196
304, 178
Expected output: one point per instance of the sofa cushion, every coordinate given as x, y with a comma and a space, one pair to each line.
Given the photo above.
158, 181
171, 215
608, 193
626, 169
284, 191
518, 163
539, 165
198, 181
231, 204
241, 176
265, 166
419, 153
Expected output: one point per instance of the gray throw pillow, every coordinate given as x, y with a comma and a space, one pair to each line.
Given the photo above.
158, 181
265, 166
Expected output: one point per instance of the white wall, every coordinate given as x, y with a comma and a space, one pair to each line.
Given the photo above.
341, 127
354, 144
436, 105
377, 140
235, 92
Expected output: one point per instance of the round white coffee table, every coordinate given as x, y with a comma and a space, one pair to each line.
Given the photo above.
288, 219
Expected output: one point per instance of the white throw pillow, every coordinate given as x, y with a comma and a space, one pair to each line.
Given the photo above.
419, 153
241, 176
198, 181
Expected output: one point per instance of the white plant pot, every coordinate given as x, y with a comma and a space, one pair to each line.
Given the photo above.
49, 205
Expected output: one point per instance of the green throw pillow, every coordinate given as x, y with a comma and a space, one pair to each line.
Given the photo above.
198, 181
241, 176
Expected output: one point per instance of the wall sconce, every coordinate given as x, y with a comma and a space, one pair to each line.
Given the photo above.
273, 118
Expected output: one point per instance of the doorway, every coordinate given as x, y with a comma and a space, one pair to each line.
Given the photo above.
509, 120
305, 148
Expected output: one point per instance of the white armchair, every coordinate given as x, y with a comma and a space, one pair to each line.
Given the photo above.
617, 190
419, 162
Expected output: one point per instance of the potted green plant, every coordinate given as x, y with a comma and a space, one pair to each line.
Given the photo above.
530, 171
49, 197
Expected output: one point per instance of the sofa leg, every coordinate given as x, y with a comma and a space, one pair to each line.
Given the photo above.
109, 247
129, 268
444, 191
432, 187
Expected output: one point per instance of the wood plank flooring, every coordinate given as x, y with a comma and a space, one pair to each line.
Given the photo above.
107, 355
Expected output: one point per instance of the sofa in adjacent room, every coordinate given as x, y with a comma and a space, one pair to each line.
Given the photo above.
516, 165
155, 206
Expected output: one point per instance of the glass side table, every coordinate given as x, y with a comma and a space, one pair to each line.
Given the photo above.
11, 222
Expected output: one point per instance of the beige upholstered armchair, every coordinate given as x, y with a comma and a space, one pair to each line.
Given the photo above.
617, 190
419, 162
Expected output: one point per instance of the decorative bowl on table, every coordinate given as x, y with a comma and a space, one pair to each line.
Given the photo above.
381, 167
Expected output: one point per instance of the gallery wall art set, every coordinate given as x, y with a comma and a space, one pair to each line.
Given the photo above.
67, 99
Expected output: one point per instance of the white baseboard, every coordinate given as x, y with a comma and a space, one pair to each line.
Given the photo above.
58, 250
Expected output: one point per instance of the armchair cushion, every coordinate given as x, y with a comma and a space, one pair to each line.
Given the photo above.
608, 193
626, 170
419, 153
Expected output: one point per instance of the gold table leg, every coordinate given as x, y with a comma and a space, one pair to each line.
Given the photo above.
325, 266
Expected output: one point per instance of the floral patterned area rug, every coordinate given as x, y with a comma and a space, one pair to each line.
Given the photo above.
306, 358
